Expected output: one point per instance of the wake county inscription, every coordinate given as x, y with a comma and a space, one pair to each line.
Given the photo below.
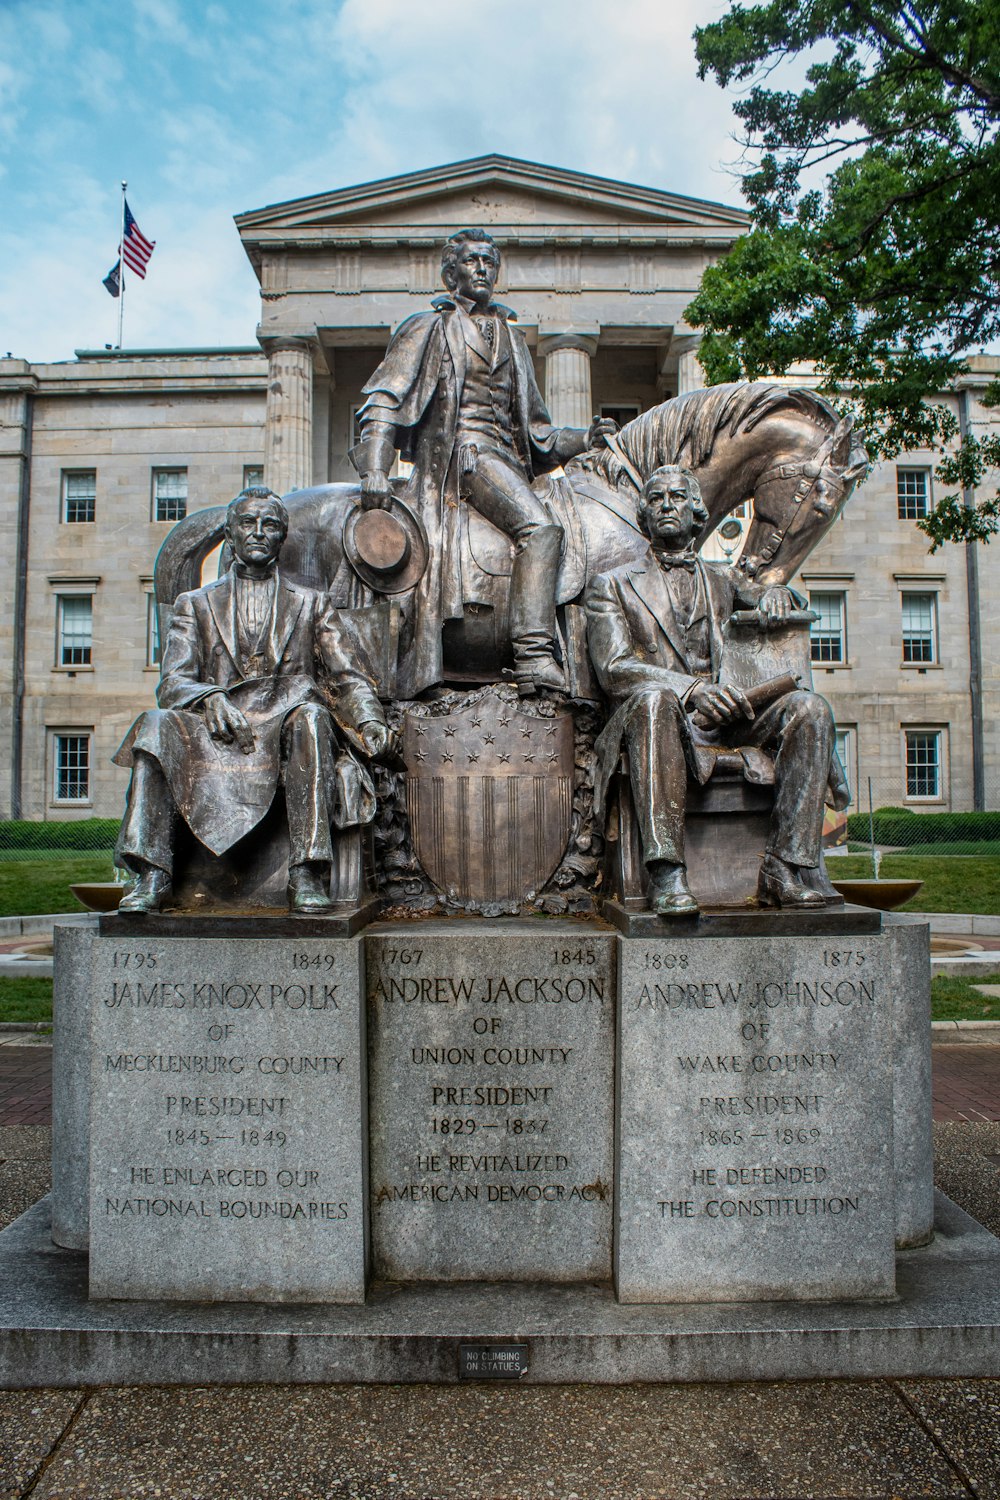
491, 1070
755, 1121
227, 1155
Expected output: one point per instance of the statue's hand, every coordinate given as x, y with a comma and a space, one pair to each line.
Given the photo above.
775, 604
718, 705
376, 491
599, 429
376, 738
224, 722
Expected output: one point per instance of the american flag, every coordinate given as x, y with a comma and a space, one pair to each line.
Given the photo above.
136, 249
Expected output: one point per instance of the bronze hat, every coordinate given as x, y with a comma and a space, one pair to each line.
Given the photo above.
386, 548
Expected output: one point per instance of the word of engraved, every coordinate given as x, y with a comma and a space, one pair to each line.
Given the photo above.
776, 1062
491, 1056
166, 994
763, 1104
214, 1105
771, 1176
444, 989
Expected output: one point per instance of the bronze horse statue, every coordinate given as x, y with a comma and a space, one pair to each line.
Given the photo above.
783, 447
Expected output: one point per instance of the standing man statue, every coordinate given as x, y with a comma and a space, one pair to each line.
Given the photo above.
254, 672
456, 395
654, 630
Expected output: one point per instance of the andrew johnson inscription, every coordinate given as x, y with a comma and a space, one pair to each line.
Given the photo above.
491, 1067
227, 1155
756, 1129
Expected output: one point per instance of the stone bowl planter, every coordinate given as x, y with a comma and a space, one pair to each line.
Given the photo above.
883, 895
100, 895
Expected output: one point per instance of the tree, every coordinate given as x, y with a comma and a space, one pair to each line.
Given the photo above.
888, 274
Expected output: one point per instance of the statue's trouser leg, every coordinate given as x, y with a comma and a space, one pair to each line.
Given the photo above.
307, 759
501, 494
658, 773
801, 728
148, 829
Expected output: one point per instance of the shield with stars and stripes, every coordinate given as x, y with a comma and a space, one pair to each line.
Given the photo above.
489, 793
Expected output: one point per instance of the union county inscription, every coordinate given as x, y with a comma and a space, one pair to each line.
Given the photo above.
227, 1156
756, 1120
491, 1065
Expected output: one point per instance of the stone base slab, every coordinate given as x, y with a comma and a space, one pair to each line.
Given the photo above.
945, 1321
633, 918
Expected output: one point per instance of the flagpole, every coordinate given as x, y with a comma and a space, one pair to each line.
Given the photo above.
121, 270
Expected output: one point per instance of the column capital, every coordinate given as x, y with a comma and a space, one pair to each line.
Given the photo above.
303, 343
583, 342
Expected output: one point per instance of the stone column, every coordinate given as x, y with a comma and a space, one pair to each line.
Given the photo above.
568, 393
690, 375
288, 439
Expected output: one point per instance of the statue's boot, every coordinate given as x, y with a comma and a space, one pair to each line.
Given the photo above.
780, 884
533, 612
816, 878
309, 888
150, 893
669, 895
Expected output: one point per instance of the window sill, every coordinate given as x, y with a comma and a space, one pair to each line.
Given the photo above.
831, 666
921, 666
73, 671
62, 806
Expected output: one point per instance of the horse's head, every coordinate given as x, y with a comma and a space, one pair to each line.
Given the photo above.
796, 502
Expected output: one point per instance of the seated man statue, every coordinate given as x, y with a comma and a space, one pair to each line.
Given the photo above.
654, 631
255, 669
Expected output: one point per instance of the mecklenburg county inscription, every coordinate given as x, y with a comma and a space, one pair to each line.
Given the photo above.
756, 1120
491, 1069
226, 1159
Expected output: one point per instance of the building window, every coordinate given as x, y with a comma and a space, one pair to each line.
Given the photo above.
253, 476
621, 411
828, 633
152, 632
71, 768
79, 495
919, 628
75, 630
845, 754
913, 494
170, 494
923, 762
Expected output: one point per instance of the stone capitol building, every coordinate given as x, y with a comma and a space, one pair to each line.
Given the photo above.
101, 454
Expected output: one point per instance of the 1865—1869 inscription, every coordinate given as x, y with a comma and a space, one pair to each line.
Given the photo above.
227, 1151
755, 1120
492, 1081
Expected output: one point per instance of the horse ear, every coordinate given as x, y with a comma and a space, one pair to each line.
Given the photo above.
843, 439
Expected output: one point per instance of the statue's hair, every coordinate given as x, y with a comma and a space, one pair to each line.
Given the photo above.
454, 243
258, 492
692, 489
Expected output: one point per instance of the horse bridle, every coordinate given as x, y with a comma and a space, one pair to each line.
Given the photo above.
808, 474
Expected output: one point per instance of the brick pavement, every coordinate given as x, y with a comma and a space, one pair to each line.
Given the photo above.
25, 1085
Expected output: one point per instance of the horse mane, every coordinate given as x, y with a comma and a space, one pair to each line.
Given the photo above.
684, 430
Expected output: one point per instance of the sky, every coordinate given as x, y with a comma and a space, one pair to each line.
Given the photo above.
209, 109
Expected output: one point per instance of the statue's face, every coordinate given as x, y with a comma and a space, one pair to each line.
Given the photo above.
476, 271
256, 531
669, 512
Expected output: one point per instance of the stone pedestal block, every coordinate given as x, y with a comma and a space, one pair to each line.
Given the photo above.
492, 1084
73, 949
908, 941
755, 1120
227, 1130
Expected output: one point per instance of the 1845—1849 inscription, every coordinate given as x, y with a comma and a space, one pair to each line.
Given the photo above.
755, 1127
492, 1086
227, 1151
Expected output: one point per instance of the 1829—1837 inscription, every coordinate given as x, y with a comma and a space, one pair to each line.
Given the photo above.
492, 1083
755, 1120
227, 1155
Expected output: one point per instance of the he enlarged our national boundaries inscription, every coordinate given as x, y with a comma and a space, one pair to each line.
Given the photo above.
227, 1140
491, 1070
755, 1120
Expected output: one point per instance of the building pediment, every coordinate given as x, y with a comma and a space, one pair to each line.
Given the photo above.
518, 199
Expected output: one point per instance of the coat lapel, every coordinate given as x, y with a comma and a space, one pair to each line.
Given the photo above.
456, 341
222, 604
712, 589
287, 608
649, 585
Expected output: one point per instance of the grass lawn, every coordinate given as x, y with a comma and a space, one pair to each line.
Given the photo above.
27, 999
956, 999
28, 887
951, 882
